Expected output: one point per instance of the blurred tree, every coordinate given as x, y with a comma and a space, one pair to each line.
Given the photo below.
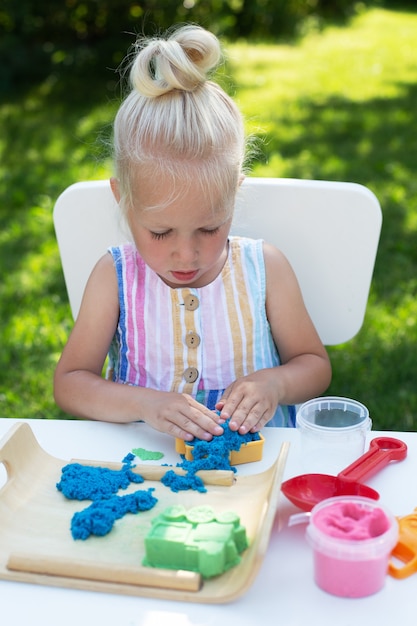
38, 37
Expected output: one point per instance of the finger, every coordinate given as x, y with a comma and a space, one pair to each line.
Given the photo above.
229, 405
249, 418
260, 423
210, 421
240, 419
199, 424
202, 410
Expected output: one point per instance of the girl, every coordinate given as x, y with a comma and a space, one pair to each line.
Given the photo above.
199, 326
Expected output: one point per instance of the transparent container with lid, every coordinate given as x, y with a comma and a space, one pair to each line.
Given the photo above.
333, 433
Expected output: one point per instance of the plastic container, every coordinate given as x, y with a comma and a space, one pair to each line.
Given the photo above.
343, 565
333, 433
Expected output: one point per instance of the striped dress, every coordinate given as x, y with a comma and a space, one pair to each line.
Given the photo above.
193, 340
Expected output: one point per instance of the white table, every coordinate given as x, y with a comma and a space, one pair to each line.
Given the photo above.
284, 591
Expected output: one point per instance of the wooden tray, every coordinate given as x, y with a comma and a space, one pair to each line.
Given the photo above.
35, 525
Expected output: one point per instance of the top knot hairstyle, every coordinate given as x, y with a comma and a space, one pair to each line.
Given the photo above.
182, 62
176, 120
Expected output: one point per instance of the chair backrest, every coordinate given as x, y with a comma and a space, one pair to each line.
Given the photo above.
329, 231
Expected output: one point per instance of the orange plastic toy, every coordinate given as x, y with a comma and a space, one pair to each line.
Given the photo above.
406, 548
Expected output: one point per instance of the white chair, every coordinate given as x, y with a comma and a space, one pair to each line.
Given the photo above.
329, 231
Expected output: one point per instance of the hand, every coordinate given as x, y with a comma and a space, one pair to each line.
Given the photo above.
250, 402
181, 416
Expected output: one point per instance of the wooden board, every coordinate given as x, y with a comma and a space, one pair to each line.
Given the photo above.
35, 522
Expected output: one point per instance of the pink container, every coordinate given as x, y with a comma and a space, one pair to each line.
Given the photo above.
352, 538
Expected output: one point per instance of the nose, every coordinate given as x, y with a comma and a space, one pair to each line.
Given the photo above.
186, 252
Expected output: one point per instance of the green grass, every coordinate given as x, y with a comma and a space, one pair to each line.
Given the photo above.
338, 105
341, 106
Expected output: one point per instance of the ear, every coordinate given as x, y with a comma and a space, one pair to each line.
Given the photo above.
241, 179
114, 184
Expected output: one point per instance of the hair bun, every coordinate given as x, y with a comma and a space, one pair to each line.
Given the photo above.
182, 61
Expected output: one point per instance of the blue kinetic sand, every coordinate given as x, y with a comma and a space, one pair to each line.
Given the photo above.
100, 484
83, 482
99, 517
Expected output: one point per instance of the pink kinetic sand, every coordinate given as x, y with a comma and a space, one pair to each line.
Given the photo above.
350, 520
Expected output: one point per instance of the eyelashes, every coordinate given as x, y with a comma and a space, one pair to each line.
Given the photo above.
212, 231
165, 234
159, 236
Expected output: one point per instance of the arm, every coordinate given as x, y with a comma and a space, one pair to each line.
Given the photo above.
305, 370
80, 389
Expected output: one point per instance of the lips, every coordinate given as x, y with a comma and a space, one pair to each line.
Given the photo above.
185, 276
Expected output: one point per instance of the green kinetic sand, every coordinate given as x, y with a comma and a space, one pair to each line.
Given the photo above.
197, 540
147, 455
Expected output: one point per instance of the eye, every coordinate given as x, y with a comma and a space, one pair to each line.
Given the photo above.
210, 231
160, 236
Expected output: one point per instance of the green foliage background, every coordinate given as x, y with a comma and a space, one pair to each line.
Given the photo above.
332, 98
40, 36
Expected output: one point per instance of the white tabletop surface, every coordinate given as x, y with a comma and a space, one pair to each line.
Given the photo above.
284, 591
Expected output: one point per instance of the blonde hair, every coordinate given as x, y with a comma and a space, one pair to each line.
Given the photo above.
176, 120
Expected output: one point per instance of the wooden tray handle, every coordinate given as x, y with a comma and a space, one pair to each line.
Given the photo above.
18, 447
106, 572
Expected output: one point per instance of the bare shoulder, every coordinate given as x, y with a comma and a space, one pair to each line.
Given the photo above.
101, 288
276, 264
104, 267
283, 293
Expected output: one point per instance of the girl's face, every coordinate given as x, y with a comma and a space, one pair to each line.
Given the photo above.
185, 243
